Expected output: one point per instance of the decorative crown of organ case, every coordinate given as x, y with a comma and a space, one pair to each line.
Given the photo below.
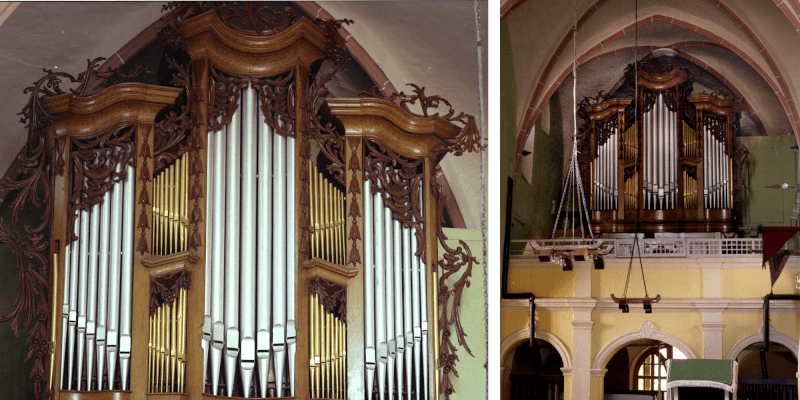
221, 238
675, 170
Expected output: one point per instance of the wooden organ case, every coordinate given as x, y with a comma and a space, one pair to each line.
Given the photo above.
676, 169
239, 234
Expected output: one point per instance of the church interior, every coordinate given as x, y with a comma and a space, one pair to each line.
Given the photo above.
243, 200
649, 191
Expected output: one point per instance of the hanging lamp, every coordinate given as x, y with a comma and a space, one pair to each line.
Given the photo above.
588, 249
646, 301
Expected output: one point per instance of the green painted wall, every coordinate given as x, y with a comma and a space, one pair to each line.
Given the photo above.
533, 202
771, 161
471, 380
508, 119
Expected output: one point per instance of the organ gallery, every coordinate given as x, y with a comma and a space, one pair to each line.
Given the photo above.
241, 232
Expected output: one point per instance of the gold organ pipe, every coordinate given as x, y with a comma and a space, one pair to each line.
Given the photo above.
174, 201
328, 351
320, 222
328, 220
156, 214
158, 351
323, 223
162, 222
185, 200
312, 361
342, 228
329, 205
335, 357
311, 201
172, 354
317, 337
173, 210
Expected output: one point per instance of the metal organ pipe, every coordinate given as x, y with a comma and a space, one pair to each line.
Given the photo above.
395, 304
248, 242
251, 290
369, 292
264, 273
97, 293
380, 294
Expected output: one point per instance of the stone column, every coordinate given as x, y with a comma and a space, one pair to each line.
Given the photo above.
582, 347
712, 329
598, 383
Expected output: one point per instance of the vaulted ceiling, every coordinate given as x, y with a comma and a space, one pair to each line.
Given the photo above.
432, 44
750, 48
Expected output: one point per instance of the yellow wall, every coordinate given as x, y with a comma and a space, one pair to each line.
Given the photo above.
684, 326
668, 282
543, 282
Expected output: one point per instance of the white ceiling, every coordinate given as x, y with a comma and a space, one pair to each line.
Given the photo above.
432, 44
538, 27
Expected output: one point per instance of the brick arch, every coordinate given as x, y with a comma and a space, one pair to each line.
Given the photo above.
533, 112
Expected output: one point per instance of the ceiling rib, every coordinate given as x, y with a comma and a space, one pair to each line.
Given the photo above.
784, 96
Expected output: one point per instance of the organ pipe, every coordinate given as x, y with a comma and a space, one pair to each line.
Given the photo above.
97, 292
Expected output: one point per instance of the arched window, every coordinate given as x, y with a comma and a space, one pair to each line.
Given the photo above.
650, 371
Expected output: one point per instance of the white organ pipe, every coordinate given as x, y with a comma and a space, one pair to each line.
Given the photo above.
279, 265
73, 298
390, 298
263, 339
91, 301
408, 253
218, 266
248, 243
415, 314
380, 295
398, 302
112, 336
210, 227
424, 324
65, 308
706, 146
232, 256
127, 277
84, 266
291, 331
369, 288
102, 277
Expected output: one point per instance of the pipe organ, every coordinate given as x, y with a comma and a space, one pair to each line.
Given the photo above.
253, 238
667, 160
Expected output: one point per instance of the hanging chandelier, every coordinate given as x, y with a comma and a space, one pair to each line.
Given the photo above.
573, 198
646, 301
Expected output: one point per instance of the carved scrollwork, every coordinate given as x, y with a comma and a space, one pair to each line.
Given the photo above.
605, 128
355, 211
171, 133
468, 140
165, 288
245, 17
276, 99
331, 143
717, 125
333, 297
399, 179
93, 163
33, 196
144, 199
227, 93
452, 262
275, 95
